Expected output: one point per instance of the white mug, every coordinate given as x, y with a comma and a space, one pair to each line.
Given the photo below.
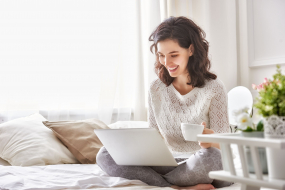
190, 131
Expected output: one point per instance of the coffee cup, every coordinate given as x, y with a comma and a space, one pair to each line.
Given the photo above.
190, 131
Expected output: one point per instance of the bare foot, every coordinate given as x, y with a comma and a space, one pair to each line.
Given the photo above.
197, 187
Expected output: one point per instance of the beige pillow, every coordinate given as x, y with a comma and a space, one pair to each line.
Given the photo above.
79, 137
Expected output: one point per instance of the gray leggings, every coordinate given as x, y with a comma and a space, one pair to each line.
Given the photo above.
194, 171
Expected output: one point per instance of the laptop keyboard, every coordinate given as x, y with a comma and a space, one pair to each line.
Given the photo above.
181, 160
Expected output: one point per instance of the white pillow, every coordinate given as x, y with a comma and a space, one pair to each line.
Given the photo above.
27, 141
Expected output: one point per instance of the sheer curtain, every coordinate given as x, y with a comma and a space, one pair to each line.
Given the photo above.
90, 59
70, 60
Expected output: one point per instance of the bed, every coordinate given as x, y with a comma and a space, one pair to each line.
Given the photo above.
63, 176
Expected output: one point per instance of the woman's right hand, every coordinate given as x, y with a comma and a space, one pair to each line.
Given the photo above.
206, 131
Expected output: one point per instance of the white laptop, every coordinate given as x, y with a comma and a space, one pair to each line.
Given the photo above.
136, 146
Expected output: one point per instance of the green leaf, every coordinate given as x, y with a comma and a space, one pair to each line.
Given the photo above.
248, 129
259, 126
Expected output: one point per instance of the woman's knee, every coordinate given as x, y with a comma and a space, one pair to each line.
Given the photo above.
212, 151
102, 157
211, 158
105, 161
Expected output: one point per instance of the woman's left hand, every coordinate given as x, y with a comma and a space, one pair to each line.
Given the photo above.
206, 131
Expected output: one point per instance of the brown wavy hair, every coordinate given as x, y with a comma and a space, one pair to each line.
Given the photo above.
185, 32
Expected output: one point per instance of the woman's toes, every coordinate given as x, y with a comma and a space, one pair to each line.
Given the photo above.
196, 187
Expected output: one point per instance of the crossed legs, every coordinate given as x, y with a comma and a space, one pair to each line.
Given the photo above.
194, 171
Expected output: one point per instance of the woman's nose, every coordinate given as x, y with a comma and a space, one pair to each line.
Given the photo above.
166, 61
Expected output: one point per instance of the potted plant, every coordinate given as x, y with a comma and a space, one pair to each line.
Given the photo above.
248, 128
271, 106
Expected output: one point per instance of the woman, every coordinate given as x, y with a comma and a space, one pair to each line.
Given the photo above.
186, 92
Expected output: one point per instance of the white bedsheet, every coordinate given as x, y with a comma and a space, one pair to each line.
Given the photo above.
67, 176
74, 176
71, 176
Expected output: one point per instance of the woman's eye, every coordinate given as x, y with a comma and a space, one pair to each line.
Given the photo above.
171, 55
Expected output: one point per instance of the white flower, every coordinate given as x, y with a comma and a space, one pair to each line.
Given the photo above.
244, 121
245, 109
236, 113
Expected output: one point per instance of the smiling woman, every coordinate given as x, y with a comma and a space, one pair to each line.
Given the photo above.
185, 92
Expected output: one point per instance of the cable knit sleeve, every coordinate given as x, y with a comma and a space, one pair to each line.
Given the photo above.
151, 117
218, 111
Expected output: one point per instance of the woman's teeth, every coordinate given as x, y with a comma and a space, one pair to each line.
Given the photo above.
172, 69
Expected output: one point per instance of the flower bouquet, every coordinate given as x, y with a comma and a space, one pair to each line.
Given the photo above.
271, 106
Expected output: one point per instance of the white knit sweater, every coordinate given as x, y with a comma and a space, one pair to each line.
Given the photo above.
168, 109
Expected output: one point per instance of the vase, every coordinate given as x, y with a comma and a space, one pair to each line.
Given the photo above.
261, 152
274, 128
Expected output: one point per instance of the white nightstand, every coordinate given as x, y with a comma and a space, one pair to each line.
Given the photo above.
230, 173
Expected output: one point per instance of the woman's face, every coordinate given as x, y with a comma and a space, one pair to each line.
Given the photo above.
173, 57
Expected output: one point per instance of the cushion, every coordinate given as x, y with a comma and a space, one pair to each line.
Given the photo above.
79, 137
27, 142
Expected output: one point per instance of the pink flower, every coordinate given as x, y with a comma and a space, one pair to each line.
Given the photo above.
254, 86
265, 80
260, 87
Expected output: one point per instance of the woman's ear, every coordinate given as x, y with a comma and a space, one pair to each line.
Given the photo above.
191, 50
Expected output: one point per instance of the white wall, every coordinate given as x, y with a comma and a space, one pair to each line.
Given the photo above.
217, 18
261, 40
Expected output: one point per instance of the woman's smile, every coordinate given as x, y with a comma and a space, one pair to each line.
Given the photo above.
173, 69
